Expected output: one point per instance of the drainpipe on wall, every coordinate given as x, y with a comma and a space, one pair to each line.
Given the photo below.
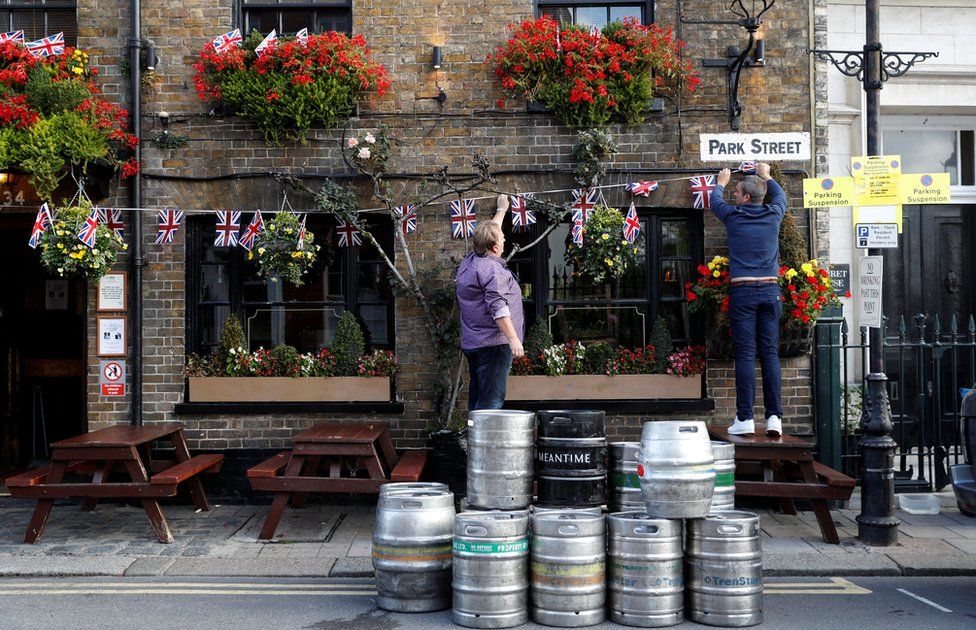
135, 201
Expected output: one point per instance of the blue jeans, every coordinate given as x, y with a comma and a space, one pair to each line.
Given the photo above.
488, 369
754, 312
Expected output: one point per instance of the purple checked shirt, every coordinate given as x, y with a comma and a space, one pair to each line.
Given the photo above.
487, 290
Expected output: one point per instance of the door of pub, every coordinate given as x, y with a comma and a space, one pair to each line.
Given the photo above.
42, 348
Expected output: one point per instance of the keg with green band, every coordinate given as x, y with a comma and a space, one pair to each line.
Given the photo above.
511, 546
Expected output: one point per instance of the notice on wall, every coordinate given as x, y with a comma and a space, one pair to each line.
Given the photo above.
760, 147
111, 378
876, 235
869, 290
828, 191
840, 279
923, 188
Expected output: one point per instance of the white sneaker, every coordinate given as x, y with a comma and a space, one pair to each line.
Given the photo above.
774, 426
742, 427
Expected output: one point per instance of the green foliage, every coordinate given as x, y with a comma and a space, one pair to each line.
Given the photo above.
285, 360
792, 245
231, 336
50, 97
278, 252
663, 346
348, 345
538, 338
605, 253
337, 199
598, 357
592, 152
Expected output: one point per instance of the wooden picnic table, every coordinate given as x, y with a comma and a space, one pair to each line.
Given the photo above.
787, 471
102, 452
332, 457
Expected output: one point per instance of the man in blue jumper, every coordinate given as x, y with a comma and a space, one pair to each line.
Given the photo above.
755, 301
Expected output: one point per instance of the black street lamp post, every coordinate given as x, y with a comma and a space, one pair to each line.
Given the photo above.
876, 524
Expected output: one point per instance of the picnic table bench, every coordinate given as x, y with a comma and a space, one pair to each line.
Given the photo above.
786, 470
102, 452
332, 457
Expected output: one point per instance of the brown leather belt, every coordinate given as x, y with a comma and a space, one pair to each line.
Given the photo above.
753, 283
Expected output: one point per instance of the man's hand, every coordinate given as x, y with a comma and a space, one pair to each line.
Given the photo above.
502, 203
516, 346
762, 170
723, 177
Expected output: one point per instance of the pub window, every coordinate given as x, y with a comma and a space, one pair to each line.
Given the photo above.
621, 312
290, 16
220, 281
598, 14
930, 149
40, 18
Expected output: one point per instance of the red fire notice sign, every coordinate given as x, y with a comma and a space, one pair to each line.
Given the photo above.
111, 378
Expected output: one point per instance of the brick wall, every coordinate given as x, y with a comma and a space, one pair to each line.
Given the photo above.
531, 148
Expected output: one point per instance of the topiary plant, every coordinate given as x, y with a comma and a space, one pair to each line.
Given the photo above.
537, 339
348, 345
597, 358
661, 340
286, 360
231, 336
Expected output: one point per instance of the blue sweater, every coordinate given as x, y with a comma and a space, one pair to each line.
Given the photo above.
753, 232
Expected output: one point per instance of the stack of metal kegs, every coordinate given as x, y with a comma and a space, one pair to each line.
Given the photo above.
672, 546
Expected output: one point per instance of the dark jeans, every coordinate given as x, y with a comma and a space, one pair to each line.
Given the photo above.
488, 369
754, 312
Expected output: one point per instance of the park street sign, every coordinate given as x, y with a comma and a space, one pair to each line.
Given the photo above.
876, 235
761, 147
869, 290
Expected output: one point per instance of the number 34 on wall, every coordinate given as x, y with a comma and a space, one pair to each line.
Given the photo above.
12, 197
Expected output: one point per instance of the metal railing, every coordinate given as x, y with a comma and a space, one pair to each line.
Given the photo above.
927, 367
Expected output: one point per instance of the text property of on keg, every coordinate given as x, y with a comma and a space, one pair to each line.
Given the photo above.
716, 580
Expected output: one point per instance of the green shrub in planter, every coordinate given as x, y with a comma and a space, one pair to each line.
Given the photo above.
348, 345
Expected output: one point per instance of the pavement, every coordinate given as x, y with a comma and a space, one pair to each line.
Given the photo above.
322, 540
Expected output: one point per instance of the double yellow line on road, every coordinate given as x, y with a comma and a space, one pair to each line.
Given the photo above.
831, 586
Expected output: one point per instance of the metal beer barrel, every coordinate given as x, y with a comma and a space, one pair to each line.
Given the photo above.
625, 492
723, 499
501, 444
571, 458
675, 466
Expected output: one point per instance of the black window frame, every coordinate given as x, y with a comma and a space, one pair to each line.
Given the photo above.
651, 217
285, 6
200, 230
647, 6
9, 7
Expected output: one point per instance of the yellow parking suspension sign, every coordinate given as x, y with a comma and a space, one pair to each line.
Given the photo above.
828, 191
923, 188
877, 179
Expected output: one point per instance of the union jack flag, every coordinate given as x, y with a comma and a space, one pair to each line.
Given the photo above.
578, 229
167, 223
267, 42
89, 230
47, 46
700, 189
584, 200
559, 41
522, 217
112, 219
228, 228
632, 224
43, 221
595, 31
348, 234
749, 168
463, 223
301, 233
302, 36
408, 218
253, 229
225, 42
12, 36
641, 188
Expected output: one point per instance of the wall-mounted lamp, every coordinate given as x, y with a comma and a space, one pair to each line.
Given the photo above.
736, 59
151, 58
7, 178
164, 120
435, 58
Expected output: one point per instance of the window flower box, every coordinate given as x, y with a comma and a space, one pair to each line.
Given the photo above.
243, 389
600, 387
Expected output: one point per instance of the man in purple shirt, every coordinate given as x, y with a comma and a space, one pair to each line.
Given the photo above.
492, 323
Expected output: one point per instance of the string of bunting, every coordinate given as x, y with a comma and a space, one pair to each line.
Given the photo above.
463, 217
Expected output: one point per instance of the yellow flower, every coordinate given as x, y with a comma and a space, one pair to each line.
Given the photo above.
807, 268
95, 251
717, 273
59, 232
623, 241
77, 69
711, 265
635, 250
60, 245
271, 226
260, 251
309, 255
296, 254
605, 236
791, 273
250, 255
125, 246
288, 230
608, 261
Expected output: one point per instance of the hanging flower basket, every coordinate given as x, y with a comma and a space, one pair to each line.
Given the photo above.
590, 78
292, 86
52, 121
795, 341
63, 253
605, 254
279, 253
